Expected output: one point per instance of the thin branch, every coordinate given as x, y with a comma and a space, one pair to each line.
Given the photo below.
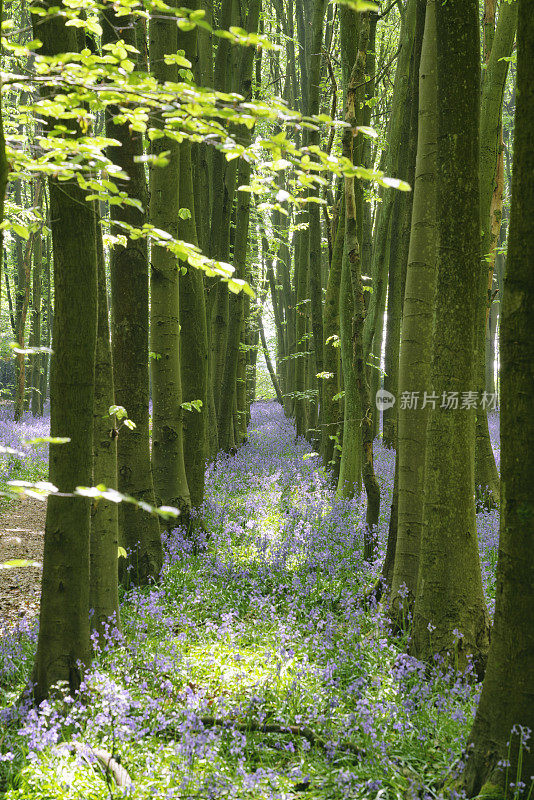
256, 727
386, 11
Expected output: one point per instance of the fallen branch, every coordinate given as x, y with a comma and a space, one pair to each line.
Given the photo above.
256, 727
104, 759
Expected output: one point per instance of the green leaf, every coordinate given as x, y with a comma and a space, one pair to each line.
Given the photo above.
359, 5
21, 230
179, 59
117, 411
14, 563
48, 440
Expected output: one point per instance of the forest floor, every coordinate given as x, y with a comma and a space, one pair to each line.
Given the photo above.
253, 669
22, 520
21, 537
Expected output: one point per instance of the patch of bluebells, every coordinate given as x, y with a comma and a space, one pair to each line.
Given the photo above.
33, 462
259, 620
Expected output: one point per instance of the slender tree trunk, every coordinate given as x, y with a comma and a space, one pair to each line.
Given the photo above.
416, 336
486, 475
4, 167
168, 466
506, 709
194, 344
331, 348
269, 364
491, 332
139, 533
349, 481
353, 263
350, 470
400, 236
450, 616
35, 336
47, 327
235, 301
223, 192
242, 407
103, 588
314, 235
301, 344
24, 281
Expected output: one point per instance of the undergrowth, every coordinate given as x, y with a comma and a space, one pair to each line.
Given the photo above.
259, 628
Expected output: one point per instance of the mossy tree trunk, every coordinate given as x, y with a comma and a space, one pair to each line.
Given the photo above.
103, 589
374, 322
194, 344
416, 336
64, 642
350, 469
35, 335
353, 212
507, 699
331, 347
139, 533
46, 326
450, 616
399, 240
4, 169
223, 193
500, 49
170, 480
349, 481
314, 236
228, 387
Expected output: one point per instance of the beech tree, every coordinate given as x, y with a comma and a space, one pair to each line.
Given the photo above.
450, 613
139, 534
417, 318
505, 713
170, 480
64, 638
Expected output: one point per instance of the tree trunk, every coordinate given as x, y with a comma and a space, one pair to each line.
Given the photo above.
168, 466
228, 387
4, 170
269, 364
506, 708
139, 533
63, 641
103, 589
331, 348
314, 234
194, 344
35, 335
350, 470
486, 475
399, 240
450, 616
416, 336
491, 332
352, 261
47, 327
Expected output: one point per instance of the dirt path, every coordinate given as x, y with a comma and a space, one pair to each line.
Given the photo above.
21, 536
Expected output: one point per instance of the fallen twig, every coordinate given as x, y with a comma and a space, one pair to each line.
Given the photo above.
257, 727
